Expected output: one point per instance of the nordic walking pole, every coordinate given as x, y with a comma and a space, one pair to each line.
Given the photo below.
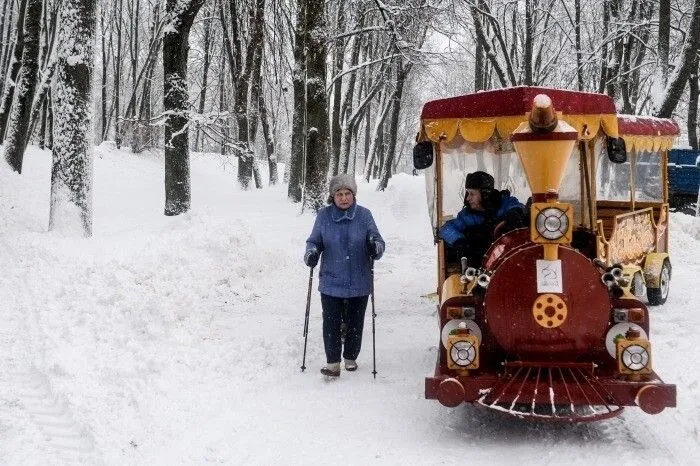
306, 318
374, 314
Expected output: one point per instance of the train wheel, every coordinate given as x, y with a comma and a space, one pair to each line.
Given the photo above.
657, 296
638, 287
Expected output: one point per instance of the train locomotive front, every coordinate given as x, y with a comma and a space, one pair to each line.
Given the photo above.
543, 328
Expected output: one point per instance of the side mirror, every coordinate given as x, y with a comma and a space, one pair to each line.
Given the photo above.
423, 155
617, 152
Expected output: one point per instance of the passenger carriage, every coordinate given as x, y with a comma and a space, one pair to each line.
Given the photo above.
552, 324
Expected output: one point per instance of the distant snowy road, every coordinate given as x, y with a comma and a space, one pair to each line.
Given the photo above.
179, 340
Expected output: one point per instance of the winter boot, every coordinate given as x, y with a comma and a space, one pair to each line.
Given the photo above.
350, 365
332, 369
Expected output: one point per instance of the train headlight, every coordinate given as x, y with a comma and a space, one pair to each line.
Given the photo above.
635, 357
463, 353
552, 223
633, 354
462, 348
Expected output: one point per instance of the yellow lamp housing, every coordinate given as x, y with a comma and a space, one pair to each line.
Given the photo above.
462, 350
551, 222
633, 355
544, 144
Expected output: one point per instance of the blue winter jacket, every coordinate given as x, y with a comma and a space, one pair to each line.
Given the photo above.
454, 229
341, 237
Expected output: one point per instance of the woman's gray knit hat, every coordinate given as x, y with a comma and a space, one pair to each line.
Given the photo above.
341, 181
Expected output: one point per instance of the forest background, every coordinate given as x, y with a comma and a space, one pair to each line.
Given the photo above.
325, 86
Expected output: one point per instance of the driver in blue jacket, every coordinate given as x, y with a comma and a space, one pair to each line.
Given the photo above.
486, 211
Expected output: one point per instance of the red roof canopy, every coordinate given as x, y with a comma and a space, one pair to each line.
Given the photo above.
516, 101
634, 125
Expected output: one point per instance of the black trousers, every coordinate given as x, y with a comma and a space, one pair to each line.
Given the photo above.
351, 311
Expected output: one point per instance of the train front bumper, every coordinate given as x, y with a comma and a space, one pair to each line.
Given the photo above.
574, 394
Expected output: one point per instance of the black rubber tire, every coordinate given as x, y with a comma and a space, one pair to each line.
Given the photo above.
658, 296
637, 287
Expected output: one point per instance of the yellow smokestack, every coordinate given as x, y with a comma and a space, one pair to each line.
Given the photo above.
544, 145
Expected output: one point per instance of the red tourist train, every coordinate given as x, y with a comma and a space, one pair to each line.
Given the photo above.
553, 323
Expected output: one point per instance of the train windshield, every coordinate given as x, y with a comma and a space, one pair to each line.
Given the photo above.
614, 182
496, 156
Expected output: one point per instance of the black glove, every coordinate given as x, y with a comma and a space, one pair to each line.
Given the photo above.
311, 257
491, 199
514, 218
373, 247
460, 245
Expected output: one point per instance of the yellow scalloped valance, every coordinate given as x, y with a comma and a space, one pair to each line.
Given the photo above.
647, 143
481, 129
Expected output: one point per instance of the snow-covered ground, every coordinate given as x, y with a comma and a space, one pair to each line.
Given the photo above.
178, 340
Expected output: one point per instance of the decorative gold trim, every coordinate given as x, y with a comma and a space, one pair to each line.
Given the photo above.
481, 129
549, 310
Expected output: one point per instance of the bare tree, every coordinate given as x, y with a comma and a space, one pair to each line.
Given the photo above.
26, 85
693, 93
685, 66
297, 158
71, 173
316, 106
180, 15
118, 24
9, 90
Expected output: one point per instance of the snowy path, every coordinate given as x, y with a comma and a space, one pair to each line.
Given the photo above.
30, 408
178, 340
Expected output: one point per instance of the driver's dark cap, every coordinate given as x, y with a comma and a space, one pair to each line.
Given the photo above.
479, 180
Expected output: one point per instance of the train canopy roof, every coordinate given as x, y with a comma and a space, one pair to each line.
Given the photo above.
646, 132
478, 116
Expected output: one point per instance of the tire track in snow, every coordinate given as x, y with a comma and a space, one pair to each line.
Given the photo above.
28, 403
29, 400
51, 413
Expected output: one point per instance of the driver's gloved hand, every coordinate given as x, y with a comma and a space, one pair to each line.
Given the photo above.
514, 218
460, 245
311, 257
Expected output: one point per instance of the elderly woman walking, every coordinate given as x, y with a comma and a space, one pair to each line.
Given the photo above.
347, 241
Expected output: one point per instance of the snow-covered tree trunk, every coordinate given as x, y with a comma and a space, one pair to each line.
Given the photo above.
246, 159
401, 75
269, 140
175, 104
26, 85
5, 45
666, 102
316, 107
103, 81
336, 115
663, 46
298, 153
118, 7
693, 94
579, 52
71, 173
529, 43
9, 90
207, 46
